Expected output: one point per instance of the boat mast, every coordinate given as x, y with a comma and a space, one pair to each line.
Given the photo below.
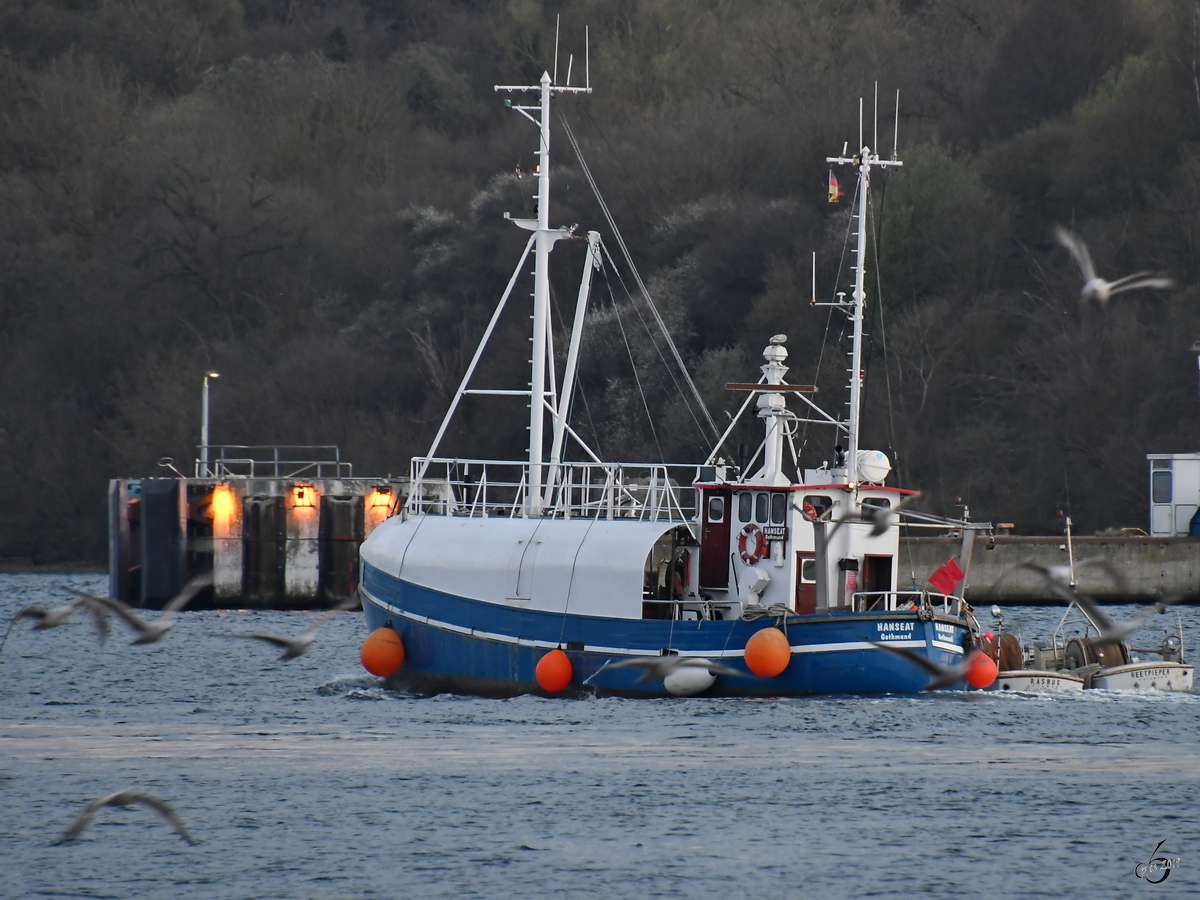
863, 161
544, 240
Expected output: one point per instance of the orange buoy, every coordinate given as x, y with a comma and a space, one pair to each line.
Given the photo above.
382, 652
768, 653
981, 670
554, 671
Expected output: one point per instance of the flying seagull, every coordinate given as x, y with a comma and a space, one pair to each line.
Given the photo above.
298, 646
1096, 288
942, 676
1060, 575
152, 632
661, 666
52, 618
1112, 631
880, 518
124, 798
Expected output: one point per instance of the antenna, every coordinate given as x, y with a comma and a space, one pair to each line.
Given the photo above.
814, 292
845, 147
557, 19
875, 138
570, 61
587, 64
860, 123
896, 134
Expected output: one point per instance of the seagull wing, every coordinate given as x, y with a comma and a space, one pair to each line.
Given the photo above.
722, 669
1102, 563
81, 821
1140, 280
276, 639
190, 590
1078, 249
132, 619
35, 611
1092, 610
914, 657
161, 807
637, 662
99, 615
350, 602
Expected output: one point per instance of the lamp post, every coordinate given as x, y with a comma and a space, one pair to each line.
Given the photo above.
204, 473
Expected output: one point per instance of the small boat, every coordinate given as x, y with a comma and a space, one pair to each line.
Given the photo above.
551, 576
1073, 660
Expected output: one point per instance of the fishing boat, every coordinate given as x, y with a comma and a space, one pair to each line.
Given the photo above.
577, 576
1073, 649
1076, 659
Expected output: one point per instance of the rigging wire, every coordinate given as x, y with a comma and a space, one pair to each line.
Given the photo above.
637, 275
633, 305
633, 364
887, 370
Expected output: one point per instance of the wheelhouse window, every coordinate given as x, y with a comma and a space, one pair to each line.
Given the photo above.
877, 502
761, 502
778, 508
716, 509
819, 502
745, 506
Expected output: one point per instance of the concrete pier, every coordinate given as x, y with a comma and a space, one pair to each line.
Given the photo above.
270, 543
1149, 566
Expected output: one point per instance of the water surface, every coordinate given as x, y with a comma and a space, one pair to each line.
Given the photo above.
307, 779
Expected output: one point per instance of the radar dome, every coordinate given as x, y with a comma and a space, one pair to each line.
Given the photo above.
873, 466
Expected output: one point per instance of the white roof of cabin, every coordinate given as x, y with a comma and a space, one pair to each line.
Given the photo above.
588, 566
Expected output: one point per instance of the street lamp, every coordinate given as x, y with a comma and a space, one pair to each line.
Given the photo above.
204, 473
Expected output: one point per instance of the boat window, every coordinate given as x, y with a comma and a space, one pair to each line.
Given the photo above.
877, 502
778, 508
819, 502
745, 505
760, 508
808, 570
1160, 464
1160, 486
716, 509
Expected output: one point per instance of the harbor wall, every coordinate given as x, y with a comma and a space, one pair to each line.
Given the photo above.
1148, 567
270, 543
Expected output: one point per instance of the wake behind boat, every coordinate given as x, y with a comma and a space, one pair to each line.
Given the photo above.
547, 575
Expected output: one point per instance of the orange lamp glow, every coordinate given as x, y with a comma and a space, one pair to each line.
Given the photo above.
380, 497
222, 503
304, 495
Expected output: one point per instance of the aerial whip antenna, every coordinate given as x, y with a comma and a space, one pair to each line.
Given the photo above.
896, 134
557, 20
875, 137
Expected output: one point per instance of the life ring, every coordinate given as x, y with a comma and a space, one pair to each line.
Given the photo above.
752, 544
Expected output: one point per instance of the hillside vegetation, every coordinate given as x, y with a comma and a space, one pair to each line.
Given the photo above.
308, 197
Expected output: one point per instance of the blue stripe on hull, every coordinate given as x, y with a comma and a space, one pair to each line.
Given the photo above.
455, 644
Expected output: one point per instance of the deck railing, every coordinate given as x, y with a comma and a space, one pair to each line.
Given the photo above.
481, 488
274, 461
879, 601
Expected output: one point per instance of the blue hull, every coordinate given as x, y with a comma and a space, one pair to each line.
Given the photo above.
459, 645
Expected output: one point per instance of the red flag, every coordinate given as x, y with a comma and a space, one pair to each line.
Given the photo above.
947, 577
835, 193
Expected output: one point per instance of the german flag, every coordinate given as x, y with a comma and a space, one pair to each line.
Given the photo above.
835, 193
